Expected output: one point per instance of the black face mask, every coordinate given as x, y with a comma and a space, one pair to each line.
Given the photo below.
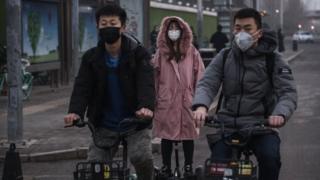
109, 35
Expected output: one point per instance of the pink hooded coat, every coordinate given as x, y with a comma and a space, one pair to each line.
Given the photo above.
175, 84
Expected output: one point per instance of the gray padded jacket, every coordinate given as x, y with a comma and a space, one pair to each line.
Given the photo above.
248, 93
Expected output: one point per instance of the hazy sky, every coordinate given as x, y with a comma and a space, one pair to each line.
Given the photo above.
312, 4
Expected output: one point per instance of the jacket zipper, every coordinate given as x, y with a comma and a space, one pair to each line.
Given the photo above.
241, 64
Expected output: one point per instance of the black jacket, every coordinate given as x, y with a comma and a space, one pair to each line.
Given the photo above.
135, 73
219, 40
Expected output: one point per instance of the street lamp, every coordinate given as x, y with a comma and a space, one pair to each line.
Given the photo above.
312, 27
299, 26
277, 11
263, 13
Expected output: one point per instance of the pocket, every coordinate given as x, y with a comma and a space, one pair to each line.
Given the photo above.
231, 104
164, 94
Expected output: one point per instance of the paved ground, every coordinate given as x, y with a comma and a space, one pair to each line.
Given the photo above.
43, 125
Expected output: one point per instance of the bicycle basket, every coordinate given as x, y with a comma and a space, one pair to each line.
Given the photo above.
113, 170
240, 169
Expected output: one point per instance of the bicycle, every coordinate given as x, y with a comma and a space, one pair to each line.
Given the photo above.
110, 170
26, 77
3, 77
239, 166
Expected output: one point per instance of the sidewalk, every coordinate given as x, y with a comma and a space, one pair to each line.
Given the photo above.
43, 125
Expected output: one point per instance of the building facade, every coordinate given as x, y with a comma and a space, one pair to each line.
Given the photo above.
48, 29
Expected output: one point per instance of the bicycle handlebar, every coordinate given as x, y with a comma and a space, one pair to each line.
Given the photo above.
133, 121
212, 121
125, 122
129, 125
242, 134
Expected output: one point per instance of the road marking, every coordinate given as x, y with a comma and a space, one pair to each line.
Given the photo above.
294, 55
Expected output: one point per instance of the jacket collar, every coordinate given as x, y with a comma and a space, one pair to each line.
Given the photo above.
128, 45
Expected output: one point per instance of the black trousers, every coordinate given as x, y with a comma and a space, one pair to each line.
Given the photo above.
265, 147
167, 147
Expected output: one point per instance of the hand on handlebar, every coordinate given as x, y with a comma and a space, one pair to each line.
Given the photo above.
276, 121
144, 113
70, 118
199, 116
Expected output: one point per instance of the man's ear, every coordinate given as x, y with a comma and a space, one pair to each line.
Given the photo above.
260, 33
123, 28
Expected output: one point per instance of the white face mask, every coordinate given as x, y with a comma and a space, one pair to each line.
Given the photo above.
244, 40
174, 34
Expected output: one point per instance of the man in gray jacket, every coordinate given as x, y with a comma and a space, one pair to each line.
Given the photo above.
249, 92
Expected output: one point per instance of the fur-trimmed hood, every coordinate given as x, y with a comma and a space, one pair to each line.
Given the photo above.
186, 36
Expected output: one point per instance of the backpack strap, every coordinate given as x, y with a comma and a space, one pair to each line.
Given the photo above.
270, 61
224, 59
270, 58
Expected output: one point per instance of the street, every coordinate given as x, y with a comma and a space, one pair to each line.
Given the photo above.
300, 150
300, 138
300, 144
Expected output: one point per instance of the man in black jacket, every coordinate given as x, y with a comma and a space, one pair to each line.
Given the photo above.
219, 39
115, 81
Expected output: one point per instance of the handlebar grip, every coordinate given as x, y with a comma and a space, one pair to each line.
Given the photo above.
211, 121
78, 123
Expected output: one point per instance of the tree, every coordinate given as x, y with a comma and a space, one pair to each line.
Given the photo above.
272, 18
294, 15
34, 28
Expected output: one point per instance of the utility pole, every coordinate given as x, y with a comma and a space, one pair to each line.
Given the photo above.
257, 5
14, 80
200, 22
75, 36
281, 14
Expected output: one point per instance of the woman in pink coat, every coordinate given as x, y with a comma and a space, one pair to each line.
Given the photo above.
178, 66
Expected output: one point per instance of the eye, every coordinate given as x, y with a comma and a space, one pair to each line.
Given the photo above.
237, 29
247, 30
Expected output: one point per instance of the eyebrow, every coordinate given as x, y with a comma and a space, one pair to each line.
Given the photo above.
245, 26
104, 20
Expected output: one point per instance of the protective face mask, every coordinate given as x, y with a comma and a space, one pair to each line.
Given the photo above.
109, 35
174, 34
244, 40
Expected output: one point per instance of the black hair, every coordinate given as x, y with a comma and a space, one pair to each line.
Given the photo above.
112, 9
249, 13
